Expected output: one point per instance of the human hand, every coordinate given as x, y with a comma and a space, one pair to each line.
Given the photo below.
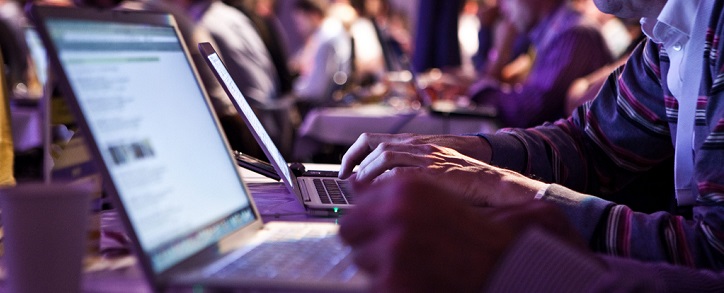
412, 236
471, 146
476, 182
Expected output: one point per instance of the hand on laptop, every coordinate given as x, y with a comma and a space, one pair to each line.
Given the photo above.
476, 182
471, 146
410, 235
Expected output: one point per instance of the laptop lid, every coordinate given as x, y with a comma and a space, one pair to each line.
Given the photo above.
257, 129
151, 128
320, 194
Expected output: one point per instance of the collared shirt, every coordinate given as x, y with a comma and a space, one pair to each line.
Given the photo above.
621, 137
568, 46
672, 30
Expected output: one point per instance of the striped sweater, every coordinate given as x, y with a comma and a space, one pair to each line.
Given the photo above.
629, 130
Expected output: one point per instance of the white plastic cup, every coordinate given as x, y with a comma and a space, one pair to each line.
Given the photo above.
45, 234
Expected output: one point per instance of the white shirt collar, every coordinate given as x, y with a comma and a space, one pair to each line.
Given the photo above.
677, 16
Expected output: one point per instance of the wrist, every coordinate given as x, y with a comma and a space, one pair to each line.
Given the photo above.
476, 147
514, 188
484, 153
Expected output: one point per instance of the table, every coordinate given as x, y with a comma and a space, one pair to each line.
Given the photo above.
122, 274
342, 126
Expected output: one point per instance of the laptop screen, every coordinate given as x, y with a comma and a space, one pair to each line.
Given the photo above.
256, 126
156, 134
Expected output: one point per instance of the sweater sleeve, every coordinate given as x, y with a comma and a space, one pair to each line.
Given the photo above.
605, 144
601, 149
659, 237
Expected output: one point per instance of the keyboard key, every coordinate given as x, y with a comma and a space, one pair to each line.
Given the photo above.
333, 191
321, 191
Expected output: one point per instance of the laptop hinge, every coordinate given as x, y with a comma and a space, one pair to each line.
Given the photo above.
303, 189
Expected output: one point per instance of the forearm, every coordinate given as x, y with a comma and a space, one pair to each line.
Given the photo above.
551, 153
602, 147
660, 237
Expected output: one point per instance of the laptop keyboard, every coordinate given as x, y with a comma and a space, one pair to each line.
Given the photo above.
295, 254
334, 191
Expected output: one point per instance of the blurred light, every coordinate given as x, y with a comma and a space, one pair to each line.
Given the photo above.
340, 78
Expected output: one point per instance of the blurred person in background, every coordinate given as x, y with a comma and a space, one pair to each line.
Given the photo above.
369, 57
249, 63
621, 35
567, 46
262, 14
240, 45
324, 63
499, 43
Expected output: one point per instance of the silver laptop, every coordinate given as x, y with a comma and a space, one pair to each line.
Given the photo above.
167, 165
321, 195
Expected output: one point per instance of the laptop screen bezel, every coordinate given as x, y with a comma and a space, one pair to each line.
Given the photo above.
40, 14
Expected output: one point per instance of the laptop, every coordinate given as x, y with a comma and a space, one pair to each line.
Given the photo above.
166, 163
321, 194
446, 108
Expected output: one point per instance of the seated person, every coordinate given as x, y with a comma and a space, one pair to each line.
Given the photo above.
621, 35
241, 47
567, 46
635, 126
248, 62
262, 14
324, 62
499, 42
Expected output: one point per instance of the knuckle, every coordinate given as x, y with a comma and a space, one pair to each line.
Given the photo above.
389, 155
384, 146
